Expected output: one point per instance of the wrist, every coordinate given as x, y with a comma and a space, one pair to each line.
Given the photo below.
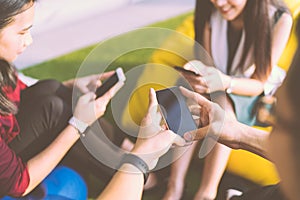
79, 125
137, 162
149, 158
130, 168
141, 154
230, 86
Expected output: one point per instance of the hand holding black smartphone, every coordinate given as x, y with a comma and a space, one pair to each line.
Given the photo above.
181, 69
118, 76
175, 110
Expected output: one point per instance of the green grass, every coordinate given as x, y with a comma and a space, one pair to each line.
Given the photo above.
66, 66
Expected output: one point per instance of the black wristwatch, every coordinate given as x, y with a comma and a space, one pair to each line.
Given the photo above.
137, 162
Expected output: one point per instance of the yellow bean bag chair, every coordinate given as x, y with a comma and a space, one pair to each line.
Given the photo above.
157, 76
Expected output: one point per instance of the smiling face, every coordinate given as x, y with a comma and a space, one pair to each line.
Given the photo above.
16, 36
230, 9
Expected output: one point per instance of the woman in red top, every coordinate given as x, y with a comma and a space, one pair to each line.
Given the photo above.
34, 130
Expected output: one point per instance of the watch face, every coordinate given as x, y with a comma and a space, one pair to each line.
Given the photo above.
229, 90
79, 125
231, 85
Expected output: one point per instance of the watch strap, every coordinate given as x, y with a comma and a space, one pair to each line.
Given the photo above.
79, 125
137, 162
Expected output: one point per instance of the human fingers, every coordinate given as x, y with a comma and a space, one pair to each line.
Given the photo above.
153, 108
84, 108
196, 66
112, 91
197, 83
201, 89
95, 81
152, 100
86, 98
192, 79
198, 122
105, 75
212, 70
169, 138
179, 141
202, 101
196, 134
101, 102
151, 122
92, 82
200, 116
215, 83
195, 110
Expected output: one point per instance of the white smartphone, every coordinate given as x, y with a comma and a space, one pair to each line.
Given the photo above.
118, 76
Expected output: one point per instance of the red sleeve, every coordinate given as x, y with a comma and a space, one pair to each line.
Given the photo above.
21, 84
14, 177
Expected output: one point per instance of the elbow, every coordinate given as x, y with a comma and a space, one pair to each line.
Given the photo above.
27, 191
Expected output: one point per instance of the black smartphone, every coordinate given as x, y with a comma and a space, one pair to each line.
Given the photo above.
181, 69
175, 110
118, 76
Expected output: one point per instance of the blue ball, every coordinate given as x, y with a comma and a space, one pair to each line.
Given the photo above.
62, 183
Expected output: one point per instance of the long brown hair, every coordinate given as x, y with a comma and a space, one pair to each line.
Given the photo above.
7, 79
256, 17
8, 10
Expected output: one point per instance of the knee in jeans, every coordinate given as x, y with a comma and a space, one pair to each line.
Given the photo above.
51, 84
56, 111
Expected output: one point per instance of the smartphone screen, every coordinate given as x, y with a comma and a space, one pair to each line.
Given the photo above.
110, 82
181, 69
175, 110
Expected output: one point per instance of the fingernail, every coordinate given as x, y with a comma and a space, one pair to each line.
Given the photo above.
188, 137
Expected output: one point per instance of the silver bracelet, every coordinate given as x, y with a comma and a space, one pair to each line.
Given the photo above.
79, 125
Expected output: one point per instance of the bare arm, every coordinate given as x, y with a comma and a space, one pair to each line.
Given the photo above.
250, 139
87, 110
246, 86
224, 128
43, 163
152, 143
129, 183
281, 33
241, 86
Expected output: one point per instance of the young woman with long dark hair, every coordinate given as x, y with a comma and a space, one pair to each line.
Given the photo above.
245, 39
37, 124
